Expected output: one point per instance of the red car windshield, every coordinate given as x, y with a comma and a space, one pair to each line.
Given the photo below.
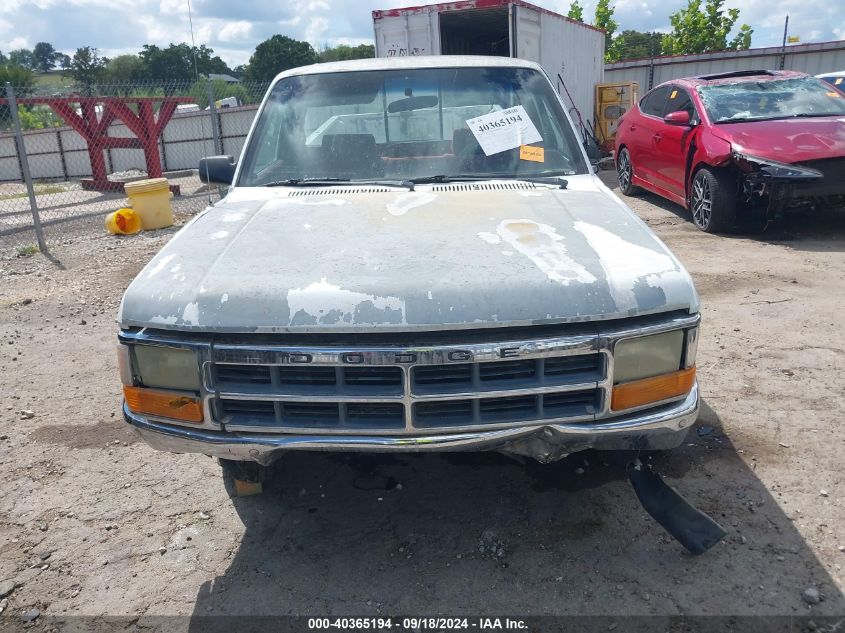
771, 99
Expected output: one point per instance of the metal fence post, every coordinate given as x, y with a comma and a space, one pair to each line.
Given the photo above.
215, 121
24, 162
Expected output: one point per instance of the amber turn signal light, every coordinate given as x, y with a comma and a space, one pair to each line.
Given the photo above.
165, 404
648, 390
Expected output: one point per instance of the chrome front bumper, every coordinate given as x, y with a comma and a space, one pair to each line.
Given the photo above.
658, 429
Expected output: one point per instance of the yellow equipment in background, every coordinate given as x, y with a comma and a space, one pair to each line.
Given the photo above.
612, 101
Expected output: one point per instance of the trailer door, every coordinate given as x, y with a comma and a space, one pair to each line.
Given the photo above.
525, 33
407, 34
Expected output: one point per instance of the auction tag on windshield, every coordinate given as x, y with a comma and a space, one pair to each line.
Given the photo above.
534, 154
838, 81
503, 130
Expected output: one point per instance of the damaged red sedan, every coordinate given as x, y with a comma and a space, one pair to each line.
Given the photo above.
754, 143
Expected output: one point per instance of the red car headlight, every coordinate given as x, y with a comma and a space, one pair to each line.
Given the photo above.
774, 170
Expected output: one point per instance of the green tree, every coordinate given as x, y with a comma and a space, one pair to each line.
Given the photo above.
176, 63
698, 30
38, 117
576, 11
21, 57
63, 61
87, 67
44, 57
3, 59
342, 52
21, 79
277, 54
604, 20
742, 40
630, 44
125, 69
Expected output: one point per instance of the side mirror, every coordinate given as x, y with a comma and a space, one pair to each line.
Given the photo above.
681, 117
218, 170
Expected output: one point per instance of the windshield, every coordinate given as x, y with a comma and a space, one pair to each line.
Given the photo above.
770, 99
409, 124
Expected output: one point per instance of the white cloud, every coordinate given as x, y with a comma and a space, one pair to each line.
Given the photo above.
169, 7
18, 42
317, 27
235, 31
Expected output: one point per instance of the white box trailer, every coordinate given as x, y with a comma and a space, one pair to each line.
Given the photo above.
509, 28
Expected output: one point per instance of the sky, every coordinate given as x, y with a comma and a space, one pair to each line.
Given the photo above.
233, 28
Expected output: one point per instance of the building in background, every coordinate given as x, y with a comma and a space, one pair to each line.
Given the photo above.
813, 59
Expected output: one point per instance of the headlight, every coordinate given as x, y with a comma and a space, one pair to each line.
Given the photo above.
652, 369
647, 356
775, 170
166, 367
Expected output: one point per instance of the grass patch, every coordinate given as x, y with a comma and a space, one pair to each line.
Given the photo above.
28, 251
39, 191
53, 80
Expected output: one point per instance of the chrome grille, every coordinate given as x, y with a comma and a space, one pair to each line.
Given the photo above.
408, 383
515, 374
507, 409
406, 390
313, 415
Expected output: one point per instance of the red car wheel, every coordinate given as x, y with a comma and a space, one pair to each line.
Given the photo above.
713, 201
625, 173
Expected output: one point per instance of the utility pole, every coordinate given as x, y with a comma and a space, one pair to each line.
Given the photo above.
783, 46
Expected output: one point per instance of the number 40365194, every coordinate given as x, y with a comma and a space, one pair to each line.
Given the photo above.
508, 120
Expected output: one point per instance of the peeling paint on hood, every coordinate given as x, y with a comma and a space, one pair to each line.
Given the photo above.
471, 259
326, 303
407, 201
545, 248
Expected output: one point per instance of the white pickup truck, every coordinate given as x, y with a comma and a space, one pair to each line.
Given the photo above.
414, 254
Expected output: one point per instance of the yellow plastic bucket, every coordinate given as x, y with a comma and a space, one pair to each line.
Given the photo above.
123, 222
151, 201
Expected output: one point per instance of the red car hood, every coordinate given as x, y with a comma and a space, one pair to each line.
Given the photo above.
787, 140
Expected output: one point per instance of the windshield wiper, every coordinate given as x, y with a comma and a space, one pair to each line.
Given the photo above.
809, 115
780, 117
317, 182
442, 178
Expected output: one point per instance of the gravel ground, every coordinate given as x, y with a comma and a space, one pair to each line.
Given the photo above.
92, 522
69, 213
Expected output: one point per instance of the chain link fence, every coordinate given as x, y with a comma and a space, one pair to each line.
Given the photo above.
65, 157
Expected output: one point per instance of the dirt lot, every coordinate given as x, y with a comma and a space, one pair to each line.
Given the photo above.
93, 522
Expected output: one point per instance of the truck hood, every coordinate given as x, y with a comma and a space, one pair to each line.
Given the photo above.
787, 140
281, 260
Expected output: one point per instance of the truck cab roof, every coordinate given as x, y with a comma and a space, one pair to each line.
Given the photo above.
421, 61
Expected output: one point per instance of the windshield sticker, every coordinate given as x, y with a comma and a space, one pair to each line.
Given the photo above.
507, 129
832, 94
838, 81
534, 154
674, 94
